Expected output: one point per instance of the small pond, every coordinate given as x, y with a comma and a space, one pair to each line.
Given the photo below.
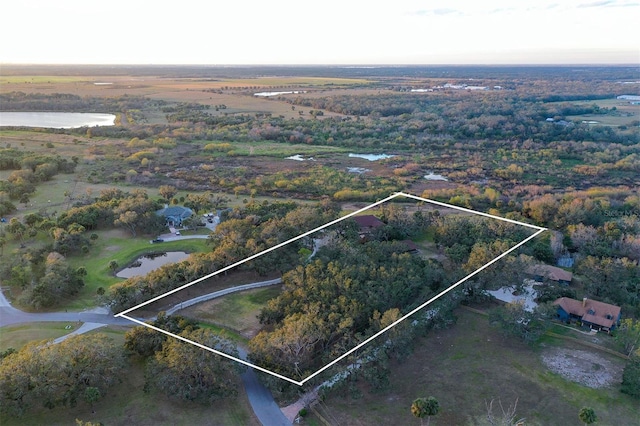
149, 262
267, 94
371, 157
56, 120
299, 157
433, 176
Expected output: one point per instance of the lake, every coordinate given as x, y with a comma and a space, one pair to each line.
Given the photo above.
147, 263
56, 120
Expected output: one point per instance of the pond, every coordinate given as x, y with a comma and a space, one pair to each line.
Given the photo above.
56, 120
267, 94
371, 157
299, 157
433, 176
150, 262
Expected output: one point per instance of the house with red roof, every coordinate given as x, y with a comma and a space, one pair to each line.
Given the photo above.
597, 315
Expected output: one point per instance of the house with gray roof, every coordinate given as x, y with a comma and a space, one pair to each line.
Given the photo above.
174, 215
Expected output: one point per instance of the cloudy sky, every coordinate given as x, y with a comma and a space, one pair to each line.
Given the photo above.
320, 32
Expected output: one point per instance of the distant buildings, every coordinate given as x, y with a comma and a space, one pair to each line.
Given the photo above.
597, 315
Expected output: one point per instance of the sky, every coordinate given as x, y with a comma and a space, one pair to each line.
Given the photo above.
352, 32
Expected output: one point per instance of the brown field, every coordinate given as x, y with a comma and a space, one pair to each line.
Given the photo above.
468, 365
237, 95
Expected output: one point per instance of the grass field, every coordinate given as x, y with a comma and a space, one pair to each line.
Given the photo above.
16, 336
237, 311
466, 366
279, 149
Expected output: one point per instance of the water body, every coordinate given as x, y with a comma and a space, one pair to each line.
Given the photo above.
299, 157
358, 170
433, 176
150, 262
267, 94
56, 120
371, 157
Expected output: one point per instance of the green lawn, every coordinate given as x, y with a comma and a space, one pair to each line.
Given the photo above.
16, 336
112, 245
236, 312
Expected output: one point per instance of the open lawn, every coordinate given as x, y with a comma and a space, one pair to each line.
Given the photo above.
16, 336
119, 246
468, 365
238, 311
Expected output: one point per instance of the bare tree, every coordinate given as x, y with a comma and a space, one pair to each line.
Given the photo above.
508, 416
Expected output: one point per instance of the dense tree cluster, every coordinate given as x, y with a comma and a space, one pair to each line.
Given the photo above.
47, 375
20, 101
333, 302
181, 370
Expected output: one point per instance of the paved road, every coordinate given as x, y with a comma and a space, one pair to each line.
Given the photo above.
220, 293
260, 398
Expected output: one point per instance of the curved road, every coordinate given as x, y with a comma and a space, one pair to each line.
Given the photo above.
260, 398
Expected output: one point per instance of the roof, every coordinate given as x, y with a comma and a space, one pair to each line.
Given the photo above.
552, 272
368, 221
175, 211
411, 246
599, 313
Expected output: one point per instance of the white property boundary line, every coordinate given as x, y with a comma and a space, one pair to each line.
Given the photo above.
124, 313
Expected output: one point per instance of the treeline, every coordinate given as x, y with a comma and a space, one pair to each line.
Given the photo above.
65, 102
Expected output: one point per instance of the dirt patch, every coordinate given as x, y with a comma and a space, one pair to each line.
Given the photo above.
587, 368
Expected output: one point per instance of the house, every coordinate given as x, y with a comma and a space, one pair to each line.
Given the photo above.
597, 315
412, 248
553, 273
368, 223
174, 215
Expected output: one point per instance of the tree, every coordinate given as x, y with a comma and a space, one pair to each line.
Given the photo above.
516, 321
48, 375
91, 395
422, 407
587, 415
187, 372
508, 416
627, 336
631, 377
167, 192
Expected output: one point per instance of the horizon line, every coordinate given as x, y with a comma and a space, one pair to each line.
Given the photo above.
353, 65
